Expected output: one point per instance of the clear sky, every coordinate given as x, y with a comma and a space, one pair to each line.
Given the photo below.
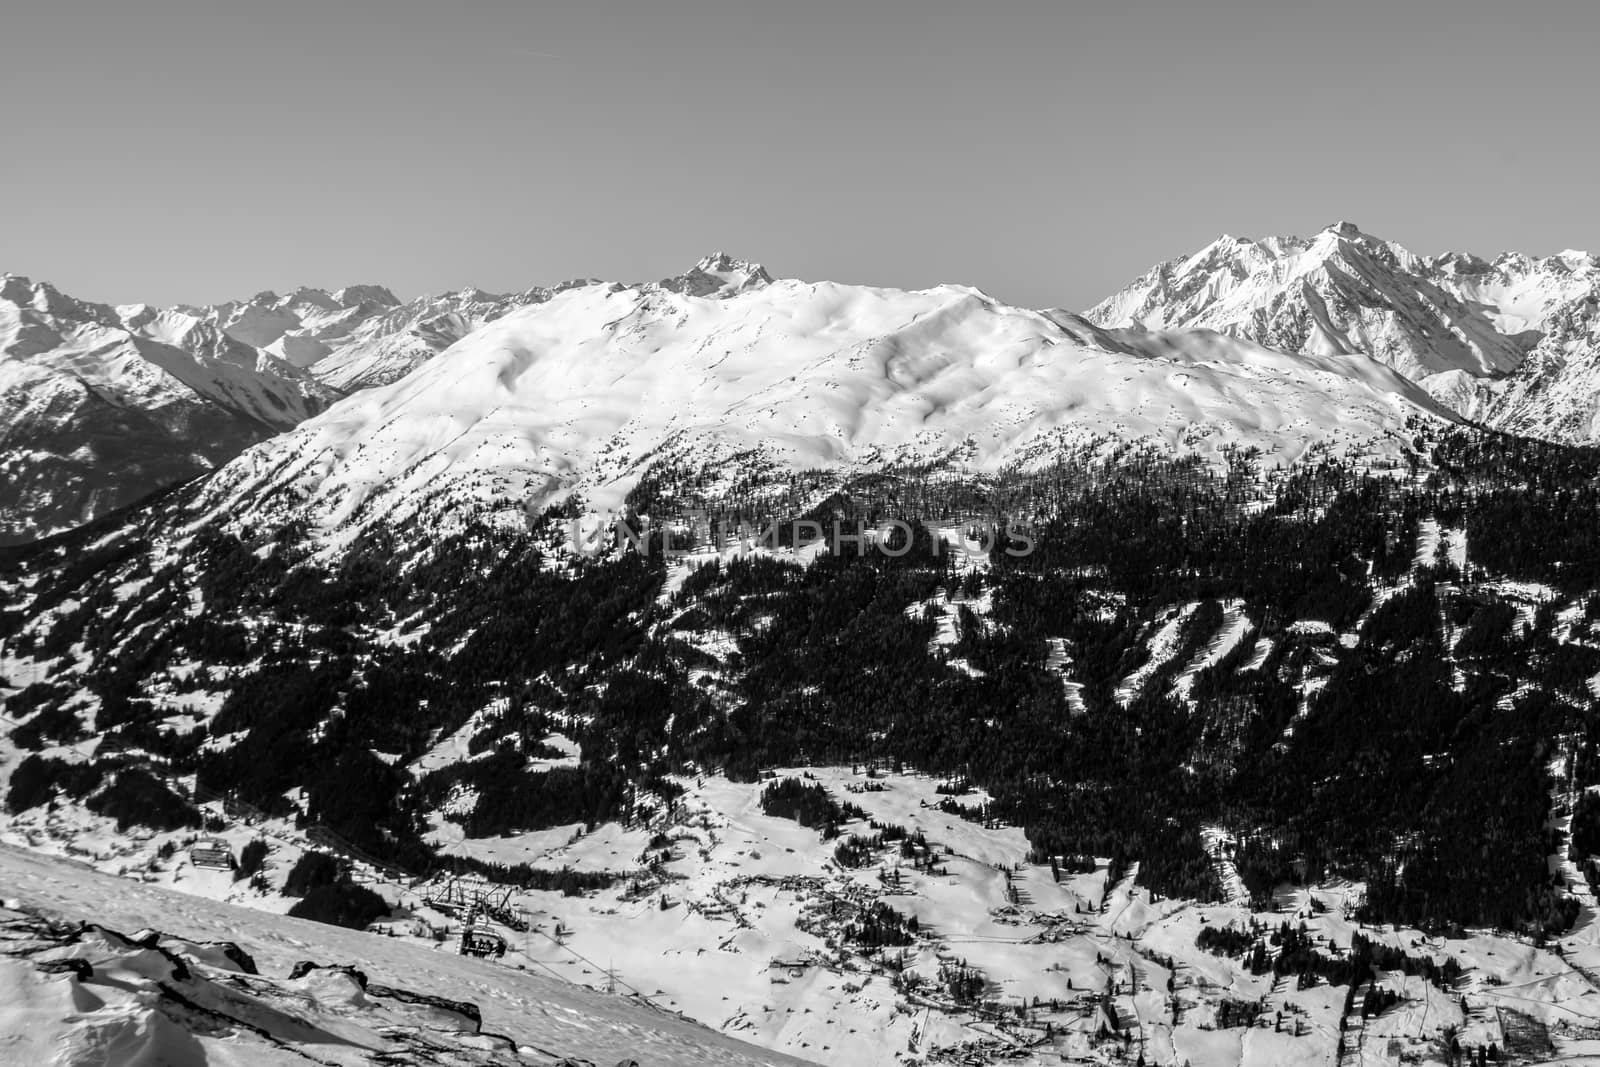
1047, 153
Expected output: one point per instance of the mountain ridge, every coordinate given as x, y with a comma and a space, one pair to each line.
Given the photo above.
1509, 342
586, 390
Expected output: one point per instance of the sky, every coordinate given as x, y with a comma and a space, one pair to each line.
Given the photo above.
1047, 153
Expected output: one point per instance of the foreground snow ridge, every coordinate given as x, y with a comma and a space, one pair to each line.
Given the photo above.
221, 984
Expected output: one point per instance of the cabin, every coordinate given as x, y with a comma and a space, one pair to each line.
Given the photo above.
790, 968
215, 853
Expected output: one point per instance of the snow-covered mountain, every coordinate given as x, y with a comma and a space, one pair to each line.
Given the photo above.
1555, 392
587, 387
100, 405
362, 335
104, 405
381, 348
1278, 344
1510, 342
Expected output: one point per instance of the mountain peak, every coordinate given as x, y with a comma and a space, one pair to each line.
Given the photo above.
722, 262
17, 288
46, 299
719, 275
354, 295
1341, 292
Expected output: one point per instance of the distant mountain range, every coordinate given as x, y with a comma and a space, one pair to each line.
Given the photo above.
102, 405
1279, 344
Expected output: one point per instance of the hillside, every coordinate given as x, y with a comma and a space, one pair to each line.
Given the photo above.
1165, 695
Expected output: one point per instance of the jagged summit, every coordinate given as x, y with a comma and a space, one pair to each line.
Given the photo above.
718, 275
353, 295
1342, 290
46, 299
348, 296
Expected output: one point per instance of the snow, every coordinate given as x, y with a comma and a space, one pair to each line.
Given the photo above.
452, 748
1258, 658
1161, 647
1340, 291
609, 848
1429, 538
147, 357
1455, 547
543, 1017
583, 390
1511, 342
1058, 659
105, 405
1236, 626
739, 930
1219, 845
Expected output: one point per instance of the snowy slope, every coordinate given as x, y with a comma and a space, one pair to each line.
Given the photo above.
1511, 341
1555, 393
322, 1018
585, 389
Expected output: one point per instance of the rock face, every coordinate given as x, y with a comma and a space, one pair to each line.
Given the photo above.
1511, 341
